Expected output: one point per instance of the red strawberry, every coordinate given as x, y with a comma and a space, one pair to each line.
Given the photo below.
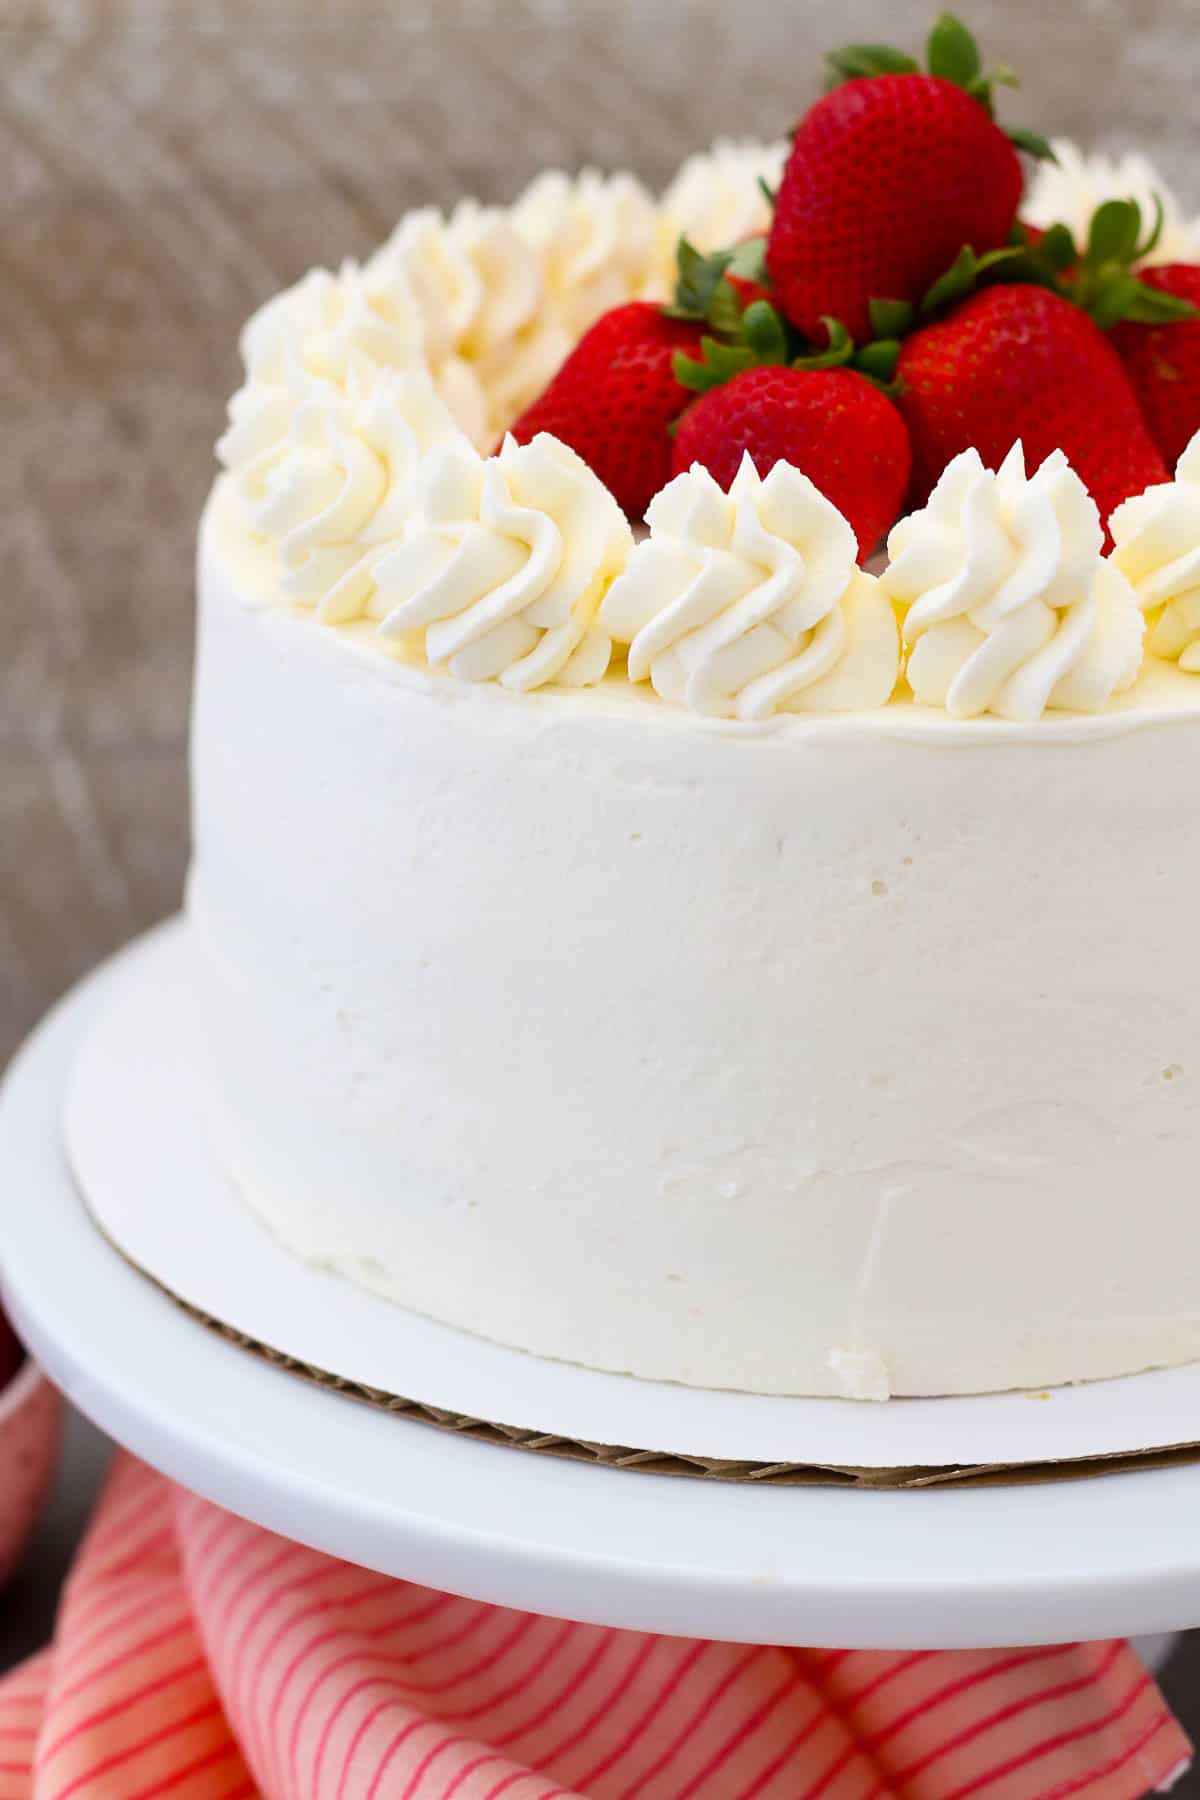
615, 397
1020, 362
1163, 363
748, 291
832, 424
889, 176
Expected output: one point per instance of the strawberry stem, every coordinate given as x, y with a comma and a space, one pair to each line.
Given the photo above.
951, 53
839, 351
1102, 281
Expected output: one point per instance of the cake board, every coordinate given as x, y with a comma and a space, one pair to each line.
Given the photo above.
139, 1142
743, 1562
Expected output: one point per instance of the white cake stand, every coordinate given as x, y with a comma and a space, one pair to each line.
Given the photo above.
960, 1567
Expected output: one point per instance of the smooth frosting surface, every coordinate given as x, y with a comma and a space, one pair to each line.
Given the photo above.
795, 1055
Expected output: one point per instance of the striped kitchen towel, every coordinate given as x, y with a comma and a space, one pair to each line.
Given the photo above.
198, 1657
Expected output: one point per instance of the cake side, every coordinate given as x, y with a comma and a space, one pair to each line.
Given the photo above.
799, 1057
632, 920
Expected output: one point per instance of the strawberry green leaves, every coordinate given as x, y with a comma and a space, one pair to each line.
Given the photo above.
749, 261
1031, 142
1103, 283
839, 351
858, 62
891, 318
765, 333
876, 360
1101, 277
1055, 250
762, 341
965, 274
767, 341
744, 333
711, 290
1115, 233
699, 287
951, 54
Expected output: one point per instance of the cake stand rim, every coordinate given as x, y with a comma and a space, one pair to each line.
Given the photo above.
971, 1567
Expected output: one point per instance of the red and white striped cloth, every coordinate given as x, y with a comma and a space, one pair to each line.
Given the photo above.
198, 1657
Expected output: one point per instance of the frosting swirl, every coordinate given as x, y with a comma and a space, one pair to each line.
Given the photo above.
1069, 190
481, 293
717, 201
1157, 546
328, 331
338, 486
1011, 607
503, 564
488, 300
596, 237
744, 604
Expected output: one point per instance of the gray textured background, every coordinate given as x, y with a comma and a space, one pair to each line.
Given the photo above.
163, 167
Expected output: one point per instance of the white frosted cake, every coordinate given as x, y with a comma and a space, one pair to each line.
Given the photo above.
687, 948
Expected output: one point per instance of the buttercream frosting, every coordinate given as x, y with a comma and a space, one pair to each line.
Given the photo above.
503, 564
1068, 191
329, 330
337, 488
789, 1056
1010, 607
482, 293
597, 239
742, 604
1157, 546
354, 378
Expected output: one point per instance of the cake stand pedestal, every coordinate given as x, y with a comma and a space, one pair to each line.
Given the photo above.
962, 1567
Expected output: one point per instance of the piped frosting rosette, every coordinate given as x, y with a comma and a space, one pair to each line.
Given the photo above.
596, 237
481, 291
503, 564
487, 300
310, 343
1010, 606
744, 604
1157, 546
338, 486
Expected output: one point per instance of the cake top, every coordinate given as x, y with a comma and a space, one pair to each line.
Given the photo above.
602, 436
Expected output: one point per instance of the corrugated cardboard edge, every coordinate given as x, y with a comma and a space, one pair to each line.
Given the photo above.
657, 1462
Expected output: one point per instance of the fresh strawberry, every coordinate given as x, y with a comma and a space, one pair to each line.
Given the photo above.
615, 398
1163, 362
1020, 362
833, 424
889, 176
